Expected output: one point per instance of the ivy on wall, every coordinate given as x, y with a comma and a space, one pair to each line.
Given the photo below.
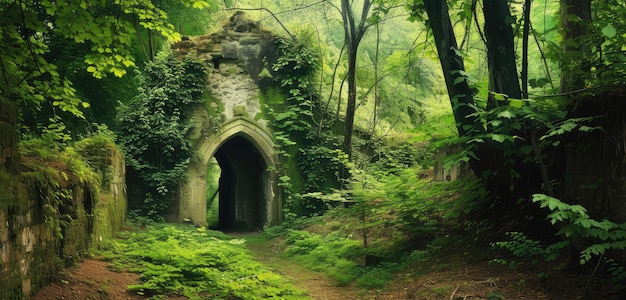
307, 151
153, 127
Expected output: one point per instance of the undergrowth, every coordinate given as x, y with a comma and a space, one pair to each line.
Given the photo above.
197, 263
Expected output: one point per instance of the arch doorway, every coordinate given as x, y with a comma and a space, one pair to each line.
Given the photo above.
242, 198
247, 196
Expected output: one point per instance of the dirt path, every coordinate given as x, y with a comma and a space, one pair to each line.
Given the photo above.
91, 280
318, 285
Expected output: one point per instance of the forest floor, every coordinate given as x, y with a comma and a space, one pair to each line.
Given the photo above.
452, 279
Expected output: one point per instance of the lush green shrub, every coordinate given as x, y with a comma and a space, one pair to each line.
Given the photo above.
603, 239
196, 263
375, 278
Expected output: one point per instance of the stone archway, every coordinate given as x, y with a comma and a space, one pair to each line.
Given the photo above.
235, 56
248, 189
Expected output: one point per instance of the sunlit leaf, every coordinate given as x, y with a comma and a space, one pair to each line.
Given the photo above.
517, 103
200, 4
499, 96
498, 137
609, 31
118, 72
506, 114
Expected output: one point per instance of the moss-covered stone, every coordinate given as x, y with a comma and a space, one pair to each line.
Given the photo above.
52, 213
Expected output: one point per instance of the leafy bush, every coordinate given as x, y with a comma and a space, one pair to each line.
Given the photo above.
574, 223
153, 126
196, 263
375, 278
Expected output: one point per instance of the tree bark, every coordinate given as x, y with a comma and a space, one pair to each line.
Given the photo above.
575, 66
9, 153
525, 36
459, 91
503, 76
490, 162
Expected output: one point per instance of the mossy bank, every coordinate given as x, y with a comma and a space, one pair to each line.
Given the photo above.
60, 204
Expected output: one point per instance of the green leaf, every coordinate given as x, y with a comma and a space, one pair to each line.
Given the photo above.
498, 96
506, 114
609, 31
200, 4
458, 80
118, 72
517, 103
495, 123
498, 137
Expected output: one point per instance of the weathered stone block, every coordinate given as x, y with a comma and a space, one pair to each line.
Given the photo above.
239, 111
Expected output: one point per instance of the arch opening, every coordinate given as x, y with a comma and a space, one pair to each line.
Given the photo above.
243, 154
242, 196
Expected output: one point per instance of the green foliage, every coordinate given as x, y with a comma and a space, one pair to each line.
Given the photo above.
576, 223
153, 126
179, 14
96, 149
603, 238
528, 250
375, 278
29, 27
396, 157
596, 56
195, 263
332, 254
301, 145
55, 168
295, 66
212, 193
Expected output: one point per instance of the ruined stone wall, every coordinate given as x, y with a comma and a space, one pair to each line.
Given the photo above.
46, 226
453, 172
236, 58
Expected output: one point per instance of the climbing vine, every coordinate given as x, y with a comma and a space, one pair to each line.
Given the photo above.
153, 127
295, 124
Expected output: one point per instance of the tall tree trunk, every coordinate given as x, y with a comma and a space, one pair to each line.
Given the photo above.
516, 177
353, 33
575, 17
525, 36
459, 91
489, 162
351, 103
503, 76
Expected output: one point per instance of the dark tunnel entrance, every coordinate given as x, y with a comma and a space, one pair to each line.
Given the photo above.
242, 186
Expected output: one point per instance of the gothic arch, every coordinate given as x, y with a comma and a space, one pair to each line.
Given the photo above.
245, 151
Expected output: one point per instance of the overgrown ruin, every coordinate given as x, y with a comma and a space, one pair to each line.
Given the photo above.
232, 129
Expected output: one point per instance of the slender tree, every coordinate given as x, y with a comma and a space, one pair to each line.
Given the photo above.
354, 30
